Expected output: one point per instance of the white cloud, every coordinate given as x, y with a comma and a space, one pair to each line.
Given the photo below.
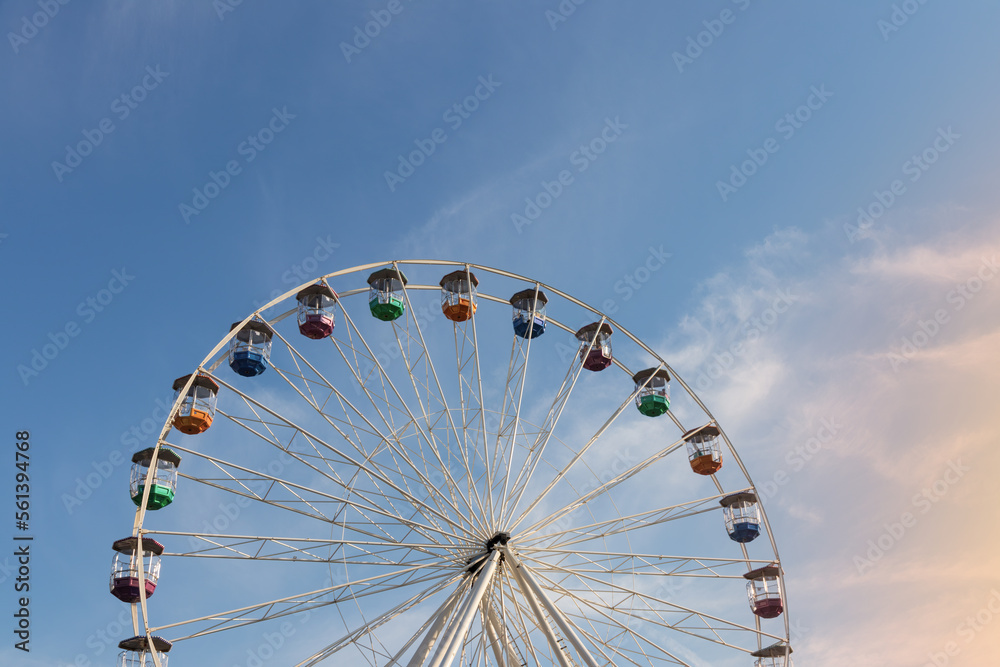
829, 355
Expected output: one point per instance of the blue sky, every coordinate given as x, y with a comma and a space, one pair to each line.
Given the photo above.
315, 199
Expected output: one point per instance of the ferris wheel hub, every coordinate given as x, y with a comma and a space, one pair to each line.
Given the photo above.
499, 538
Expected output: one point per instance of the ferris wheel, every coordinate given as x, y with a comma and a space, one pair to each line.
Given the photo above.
429, 464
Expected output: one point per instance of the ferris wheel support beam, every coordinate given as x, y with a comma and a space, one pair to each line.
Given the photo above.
543, 623
434, 631
561, 621
498, 637
456, 634
494, 642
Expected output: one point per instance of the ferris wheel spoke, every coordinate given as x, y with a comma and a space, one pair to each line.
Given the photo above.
576, 458
536, 451
600, 562
643, 645
260, 487
320, 407
363, 465
370, 627
471, 408
609, 641
307, 550
426, 437
317, 379
604, 488
509, 428
429, 512
681, 618
509, 417
606, 618
534, 538
419, 364
343, 593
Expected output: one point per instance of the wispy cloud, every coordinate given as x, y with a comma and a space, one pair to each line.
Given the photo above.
829, 354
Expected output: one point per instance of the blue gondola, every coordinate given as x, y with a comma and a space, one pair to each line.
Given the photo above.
742, 516
250, 348
529, 312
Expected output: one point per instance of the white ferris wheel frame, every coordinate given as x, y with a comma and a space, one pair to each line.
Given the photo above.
445, 634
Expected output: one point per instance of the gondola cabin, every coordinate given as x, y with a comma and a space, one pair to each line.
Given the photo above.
250, 348
197, 409
775, 655
764, 591
653, 391
595, 345
742, 516
529, 313
161, 493
138, 652
315, 311
385, 294
704, 449
458, 295
126, 564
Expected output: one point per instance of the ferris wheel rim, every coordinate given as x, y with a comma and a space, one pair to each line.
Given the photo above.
207, 367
